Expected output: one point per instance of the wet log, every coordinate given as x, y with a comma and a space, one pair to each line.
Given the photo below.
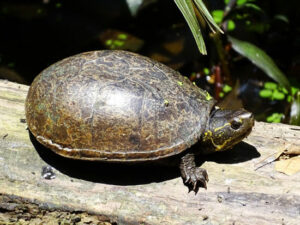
244, 187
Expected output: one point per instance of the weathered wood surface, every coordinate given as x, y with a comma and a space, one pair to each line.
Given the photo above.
236, 194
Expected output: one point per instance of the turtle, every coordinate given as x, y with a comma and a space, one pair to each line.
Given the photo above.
119, 106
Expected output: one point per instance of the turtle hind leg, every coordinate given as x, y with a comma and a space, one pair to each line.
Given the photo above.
193, 176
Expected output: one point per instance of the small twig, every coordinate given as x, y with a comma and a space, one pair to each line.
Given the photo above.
229, 7
266, 161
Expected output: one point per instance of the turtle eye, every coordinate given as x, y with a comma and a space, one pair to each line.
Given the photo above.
235, 124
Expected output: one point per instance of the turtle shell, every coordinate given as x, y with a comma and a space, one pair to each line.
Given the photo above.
115, 106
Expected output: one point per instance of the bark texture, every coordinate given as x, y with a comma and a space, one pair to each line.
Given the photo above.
243, 186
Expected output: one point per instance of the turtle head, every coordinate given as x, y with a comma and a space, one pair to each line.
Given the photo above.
226, 128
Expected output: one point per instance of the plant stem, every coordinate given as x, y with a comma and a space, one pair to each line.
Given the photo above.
222, 56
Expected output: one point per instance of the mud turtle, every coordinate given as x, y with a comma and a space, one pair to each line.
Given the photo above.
120, 106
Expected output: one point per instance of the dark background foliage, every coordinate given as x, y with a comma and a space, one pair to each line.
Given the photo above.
36, 34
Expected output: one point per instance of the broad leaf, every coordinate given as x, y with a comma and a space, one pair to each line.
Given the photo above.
259, 58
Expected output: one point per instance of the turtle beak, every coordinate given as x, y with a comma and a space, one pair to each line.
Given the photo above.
248, 121
249, 117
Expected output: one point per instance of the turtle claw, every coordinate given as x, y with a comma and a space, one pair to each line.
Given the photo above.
196, 178
187, 180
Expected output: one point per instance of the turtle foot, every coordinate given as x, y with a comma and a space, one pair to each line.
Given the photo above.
195, 178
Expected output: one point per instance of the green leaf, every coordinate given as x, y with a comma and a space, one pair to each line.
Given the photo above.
258, 27
282, 18
275, 118
253, 6
122, 36
270, 85
206, 15
265, 93
108, 42
206, 71
284, 91
295, 110
294, 90
277, 95
259, 58
187, 10
230, 25
227, 88
118, 43
218, 15
241, 2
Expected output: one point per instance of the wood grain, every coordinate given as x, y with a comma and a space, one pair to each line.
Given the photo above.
244, 188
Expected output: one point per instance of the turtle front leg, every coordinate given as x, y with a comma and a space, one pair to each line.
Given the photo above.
193, 176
